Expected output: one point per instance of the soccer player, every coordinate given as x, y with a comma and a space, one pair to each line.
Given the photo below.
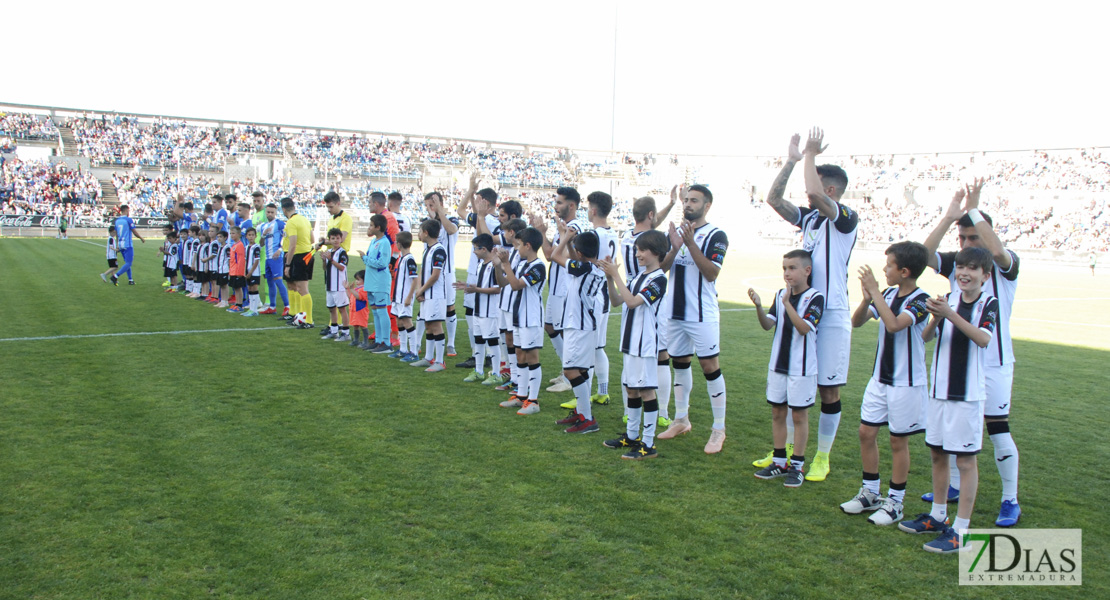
829, 231
896, 394
580, 321
378, 207
125, 228
185, 247
963, 325
567, 202
526, 300
223, 267
219, 213
170, 249
509, 231
378, 281
297, 245
273, 232
404, 290
483, 314
335, 287
254, 273
448, 237
110, 253
432, 293
509, 211
694, 320
204, 290
237, 268
792, 369
258, 217
640, 342
601, 204
482, 210
976, 230
396, 203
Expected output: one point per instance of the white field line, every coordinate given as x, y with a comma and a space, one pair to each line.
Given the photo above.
130, 333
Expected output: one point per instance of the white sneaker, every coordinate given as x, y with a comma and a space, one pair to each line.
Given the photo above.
560, 384
889, 513
104, 277
343, 337
421, 363
864, 500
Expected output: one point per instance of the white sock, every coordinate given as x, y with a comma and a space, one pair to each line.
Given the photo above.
663, 372
650, 419
535, 377
452, 324
624, 399
582, 399
940, 511
429, 349
717, 398
419, 335
1006, 457
479, 357
514, 372
683, 381
953, 473
403, 338
896, 495
601, 366
632, 429
495, 357
872, 485
439, 346
826, 430
557, 343
960, 524
790, 434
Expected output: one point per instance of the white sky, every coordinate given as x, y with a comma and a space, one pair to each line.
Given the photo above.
692, 77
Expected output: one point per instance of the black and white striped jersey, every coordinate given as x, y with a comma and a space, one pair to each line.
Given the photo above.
628, 256
607, 248
527, 303
435, 259
1002, 285
110, 250
224, 255
690, 295
335, 279
485, 305
583, 286
900, 356
407, 273
214, 256
448, 241
791, 352
504, 300
404, 222
254, 253
557, 283
830, 242
172, 256
957, 361
640, 325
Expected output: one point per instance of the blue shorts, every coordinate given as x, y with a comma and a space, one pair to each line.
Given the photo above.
274, 268
378, 299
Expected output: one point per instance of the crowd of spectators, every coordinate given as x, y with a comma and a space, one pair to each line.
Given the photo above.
356, 156
24, 126
248, 139
157, 193
37, 182
125, 141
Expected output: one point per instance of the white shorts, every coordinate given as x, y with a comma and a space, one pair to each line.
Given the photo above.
1000, 383
955, 426
795, 391
528, 338
400, 310
433, 309
485, 327
834, 347
468, 301
506, 321
686, 338
336, 299
901, 409
452, 293
602, 329
554, 313
639, 372
578, 349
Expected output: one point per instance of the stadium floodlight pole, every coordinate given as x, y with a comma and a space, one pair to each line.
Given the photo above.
613, 107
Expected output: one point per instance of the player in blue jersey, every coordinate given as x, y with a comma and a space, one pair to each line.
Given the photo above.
272, 232
125, 227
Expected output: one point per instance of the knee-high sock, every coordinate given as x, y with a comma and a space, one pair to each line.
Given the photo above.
683, 381
663, 372
514, 371
504, 352
452, 324
634, 411
306, 307
441, 341
715, 385
294, 301
494, 354
557, 343
624, 399
284, 291
581, 388
1006, 457
429, 347
790, 426
601, 368
827, 426
535, 375
419, 333
403, 338
479, 348
651, 417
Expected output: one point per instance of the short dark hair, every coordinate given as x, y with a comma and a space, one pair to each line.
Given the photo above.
404, 240
377, 197
360, 274
208, 208
229, 198
570, 194
488, 195
251, 230
244, 205
188, 205
271, 205
432, 194
287, 203
975, 257
512, 208
219, 197
532, 237
832, 174
258, 194
601, 201
910, 255
806, 257
654, 241
111, 228
515, 226
123, 207
431, 227
172, 234
587, 244
965, 221
380, 222
396, 196
335, 231
483, 240
194, 228
221, 233
697, 187
642, 207
331, 197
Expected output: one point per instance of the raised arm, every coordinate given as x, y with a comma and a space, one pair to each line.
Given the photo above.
767, 323
468, 197
815, 190
676, 245
894, 323
619, 292
936, 236
986, 232
536, 220
661, 216
775, 197
441, 216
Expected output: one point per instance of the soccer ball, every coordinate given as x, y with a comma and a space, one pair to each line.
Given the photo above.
300, 318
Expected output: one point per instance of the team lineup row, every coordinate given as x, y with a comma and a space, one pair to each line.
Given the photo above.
670, 315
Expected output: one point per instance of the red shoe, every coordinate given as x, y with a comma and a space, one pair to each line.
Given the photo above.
583, 426
231, 300
267, 311
570, 419
211, 300
285, 313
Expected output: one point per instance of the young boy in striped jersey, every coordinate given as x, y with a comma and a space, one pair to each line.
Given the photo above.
896, 394
526, 302
223, 267
403, 293
254, 273
640, 342
335, 287
963, 325
432, 293
169, 262
110, 253
483, 314
792, 370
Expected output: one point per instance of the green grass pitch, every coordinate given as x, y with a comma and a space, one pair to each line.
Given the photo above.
270, 464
